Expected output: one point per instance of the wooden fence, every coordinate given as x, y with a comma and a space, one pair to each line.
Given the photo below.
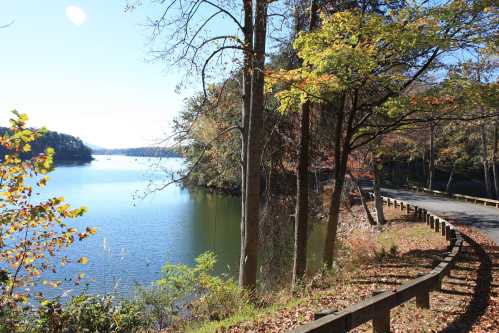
467, 198
377, 308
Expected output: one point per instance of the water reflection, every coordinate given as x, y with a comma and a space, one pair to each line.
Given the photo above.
136, 237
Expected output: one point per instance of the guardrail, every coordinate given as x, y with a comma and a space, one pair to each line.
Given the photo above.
377, 308
466, 198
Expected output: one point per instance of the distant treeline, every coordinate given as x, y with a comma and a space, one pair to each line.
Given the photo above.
141, 151
68, 149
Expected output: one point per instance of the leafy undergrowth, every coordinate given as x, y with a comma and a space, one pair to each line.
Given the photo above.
370, 260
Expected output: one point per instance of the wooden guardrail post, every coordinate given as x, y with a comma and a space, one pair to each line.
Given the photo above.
408, 206
443, 224
381, 320
432, 222
438, 286
452, 238
437, 224
447, 232
423, 299
427, 218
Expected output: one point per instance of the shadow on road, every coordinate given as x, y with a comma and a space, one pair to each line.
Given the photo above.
481, 292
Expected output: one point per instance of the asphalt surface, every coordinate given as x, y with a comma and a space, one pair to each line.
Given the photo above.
483, 218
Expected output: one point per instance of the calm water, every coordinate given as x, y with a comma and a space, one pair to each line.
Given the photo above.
135, 237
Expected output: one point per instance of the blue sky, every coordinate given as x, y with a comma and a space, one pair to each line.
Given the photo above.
88, 80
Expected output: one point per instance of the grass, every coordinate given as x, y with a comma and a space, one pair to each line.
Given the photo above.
250, 313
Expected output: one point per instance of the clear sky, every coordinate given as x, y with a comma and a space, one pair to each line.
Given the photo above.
78, 67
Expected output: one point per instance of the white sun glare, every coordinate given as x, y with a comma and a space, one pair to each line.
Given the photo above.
76, 15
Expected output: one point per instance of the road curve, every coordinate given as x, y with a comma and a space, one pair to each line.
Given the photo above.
483, 218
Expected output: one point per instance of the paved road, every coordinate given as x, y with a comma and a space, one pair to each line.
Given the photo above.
484, 218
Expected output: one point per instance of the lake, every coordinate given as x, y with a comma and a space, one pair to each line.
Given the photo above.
135, 237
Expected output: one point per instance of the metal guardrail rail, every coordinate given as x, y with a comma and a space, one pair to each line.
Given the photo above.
377, 308
466, 198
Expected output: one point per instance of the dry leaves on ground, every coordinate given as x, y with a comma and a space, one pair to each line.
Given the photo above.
468, 301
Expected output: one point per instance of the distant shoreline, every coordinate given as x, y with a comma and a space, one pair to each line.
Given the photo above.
138, 152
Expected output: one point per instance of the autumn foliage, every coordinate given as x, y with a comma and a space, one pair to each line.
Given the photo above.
33, 231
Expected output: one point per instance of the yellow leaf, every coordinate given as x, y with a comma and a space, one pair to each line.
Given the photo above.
91, 231
83, 260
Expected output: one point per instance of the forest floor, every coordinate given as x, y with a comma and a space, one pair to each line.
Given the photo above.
372, 259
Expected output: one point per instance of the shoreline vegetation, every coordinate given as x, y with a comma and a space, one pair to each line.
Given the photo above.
138, 152
68, 149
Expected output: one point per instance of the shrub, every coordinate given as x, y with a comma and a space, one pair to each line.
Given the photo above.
186, 293
383, 254
380, 255
183, 295
83, 313
394, 250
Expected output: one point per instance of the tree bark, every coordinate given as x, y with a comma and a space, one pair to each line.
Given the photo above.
249, 255
302, 188
333, 218
494, 160
451, 177
301, 214
424, 167
378, 200
369, 216
431, 167
246, 108
341, 153
485, 162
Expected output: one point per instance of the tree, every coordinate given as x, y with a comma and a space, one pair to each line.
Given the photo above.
249, 254
32, 232
189, 41
495, 172
360, 66
475, 80
377, 167
302, 186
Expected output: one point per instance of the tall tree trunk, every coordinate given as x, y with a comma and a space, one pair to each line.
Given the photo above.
248, 269
369, 216
301, 214
341, 153
302, 188
246, 109
494, 160
333, 218
451, 177
485, 162
378, 200
424, 167
431, 167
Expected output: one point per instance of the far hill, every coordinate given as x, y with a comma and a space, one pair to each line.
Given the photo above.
68, 149
140, 151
